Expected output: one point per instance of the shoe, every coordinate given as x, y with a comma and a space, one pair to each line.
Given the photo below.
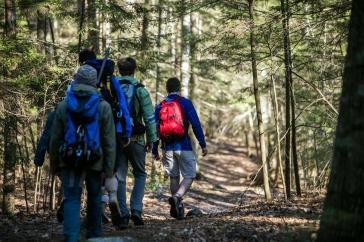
181, 211
115, 210
124, 222
136, 216
173, 210
177, 208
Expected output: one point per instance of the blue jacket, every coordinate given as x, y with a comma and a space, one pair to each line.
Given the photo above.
192, 119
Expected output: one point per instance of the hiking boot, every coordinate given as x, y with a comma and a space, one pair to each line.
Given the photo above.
115, 209
177, 208
173, 210
181, 210
136, 216
124, 222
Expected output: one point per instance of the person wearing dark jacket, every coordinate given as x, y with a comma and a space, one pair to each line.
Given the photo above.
72, 178
178, 156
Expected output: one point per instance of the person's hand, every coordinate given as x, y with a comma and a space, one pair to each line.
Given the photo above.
126, 142
204, 151
111, 184
148, 147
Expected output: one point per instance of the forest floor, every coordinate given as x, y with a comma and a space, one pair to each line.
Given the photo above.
232, 210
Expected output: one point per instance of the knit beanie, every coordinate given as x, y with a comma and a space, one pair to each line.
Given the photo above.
86, 74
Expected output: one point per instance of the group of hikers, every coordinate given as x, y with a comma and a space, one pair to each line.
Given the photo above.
105, 123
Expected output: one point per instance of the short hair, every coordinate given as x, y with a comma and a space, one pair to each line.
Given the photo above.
127, 66
173, 85
86, 55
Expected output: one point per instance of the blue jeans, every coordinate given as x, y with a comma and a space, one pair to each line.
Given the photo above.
72, 184
135, 153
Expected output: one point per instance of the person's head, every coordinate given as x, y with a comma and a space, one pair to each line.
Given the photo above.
86, 55
173, 85
127, 66
87, 75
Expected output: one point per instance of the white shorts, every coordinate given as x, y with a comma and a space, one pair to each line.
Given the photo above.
176, 162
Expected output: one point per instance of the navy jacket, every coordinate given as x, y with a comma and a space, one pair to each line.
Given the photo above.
192, 119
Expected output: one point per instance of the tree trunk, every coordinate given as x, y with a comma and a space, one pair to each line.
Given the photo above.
343, 216
94, 31
144, 41
185, 50
294, 143
278, 136
81, 24
10, 121
288, 75
158, 71
267, 191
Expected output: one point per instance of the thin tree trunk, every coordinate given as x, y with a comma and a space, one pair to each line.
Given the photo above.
288, 75
267, 191
158, 72
185, 50
247, 143
144, 41
93, 31
10, 121
81, 23
278, 137
294, 144
21, 154
51, 28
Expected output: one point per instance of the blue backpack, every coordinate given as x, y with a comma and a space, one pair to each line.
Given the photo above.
130, 91
82, 135
110, 90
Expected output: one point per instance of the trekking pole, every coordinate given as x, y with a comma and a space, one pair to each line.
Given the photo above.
106, 55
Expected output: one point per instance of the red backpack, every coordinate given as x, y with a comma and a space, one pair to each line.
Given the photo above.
171, 121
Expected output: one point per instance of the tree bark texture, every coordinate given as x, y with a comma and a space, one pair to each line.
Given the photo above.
267, 191
185, 50
93, 21
288, 78
343, 217
10, 121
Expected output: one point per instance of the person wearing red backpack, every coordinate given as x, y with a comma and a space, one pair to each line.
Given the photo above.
173, 116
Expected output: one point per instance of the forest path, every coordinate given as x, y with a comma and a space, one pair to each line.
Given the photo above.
224, 178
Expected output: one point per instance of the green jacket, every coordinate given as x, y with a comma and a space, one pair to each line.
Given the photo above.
107, 135
144, 113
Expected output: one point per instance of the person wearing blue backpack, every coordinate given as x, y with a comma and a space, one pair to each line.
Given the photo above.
111, 90
82, 148
173, 116
143, 126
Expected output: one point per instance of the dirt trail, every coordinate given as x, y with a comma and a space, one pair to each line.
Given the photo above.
224, 177
223, 185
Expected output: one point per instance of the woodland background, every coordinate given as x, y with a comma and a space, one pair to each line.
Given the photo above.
265, 73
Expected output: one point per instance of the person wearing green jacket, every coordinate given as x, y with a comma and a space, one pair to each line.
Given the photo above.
143, 136
83, 148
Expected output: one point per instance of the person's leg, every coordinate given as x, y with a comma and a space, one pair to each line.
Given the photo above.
184, 186
187, 166
174, 184
170, 165
93, 185
111, 186
72, 186
136, 199
121, 174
